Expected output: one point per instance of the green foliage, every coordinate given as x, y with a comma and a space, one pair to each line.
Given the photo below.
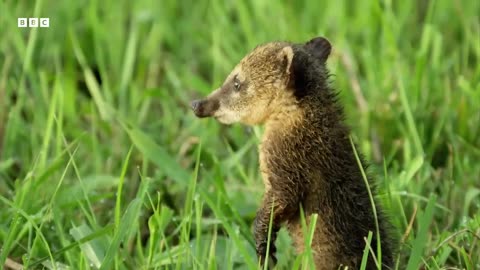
100, 157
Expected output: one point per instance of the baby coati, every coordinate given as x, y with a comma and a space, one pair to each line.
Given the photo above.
306, 157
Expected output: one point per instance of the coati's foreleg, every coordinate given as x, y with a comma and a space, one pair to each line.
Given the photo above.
283, 206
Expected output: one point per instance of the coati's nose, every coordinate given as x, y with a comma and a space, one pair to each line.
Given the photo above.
204, 107
194, 104
198, 107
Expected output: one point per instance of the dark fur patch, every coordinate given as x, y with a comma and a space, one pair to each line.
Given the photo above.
308, 75
313, 165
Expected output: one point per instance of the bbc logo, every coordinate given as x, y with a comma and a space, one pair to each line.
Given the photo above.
33, 22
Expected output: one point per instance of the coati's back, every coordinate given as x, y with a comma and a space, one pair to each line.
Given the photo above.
334, 187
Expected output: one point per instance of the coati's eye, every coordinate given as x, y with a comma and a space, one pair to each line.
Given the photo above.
236, 83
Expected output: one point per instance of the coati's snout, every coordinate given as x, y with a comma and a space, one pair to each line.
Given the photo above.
220, 104
204, 107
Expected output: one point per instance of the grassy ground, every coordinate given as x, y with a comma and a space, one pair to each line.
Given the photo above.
102, 165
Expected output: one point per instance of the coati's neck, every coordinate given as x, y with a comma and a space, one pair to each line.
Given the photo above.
316, 115
285, 114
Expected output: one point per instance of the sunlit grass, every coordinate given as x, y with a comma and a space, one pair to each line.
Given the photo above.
102, 165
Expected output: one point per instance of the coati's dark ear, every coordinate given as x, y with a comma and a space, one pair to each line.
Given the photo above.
285, 57
319, 47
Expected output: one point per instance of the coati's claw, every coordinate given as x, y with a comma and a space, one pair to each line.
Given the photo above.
262, 253
272, 260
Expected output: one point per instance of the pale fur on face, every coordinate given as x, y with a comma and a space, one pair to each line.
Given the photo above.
265, 74
226, 114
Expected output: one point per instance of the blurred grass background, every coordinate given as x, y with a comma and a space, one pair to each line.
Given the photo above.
103, 166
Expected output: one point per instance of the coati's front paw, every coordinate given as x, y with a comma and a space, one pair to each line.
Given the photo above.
260, 227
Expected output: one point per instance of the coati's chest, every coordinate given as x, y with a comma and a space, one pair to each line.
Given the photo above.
282, 150
277, 159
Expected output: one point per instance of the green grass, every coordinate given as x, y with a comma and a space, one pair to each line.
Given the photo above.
117, 173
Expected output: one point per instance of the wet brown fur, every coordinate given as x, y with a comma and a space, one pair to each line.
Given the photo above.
306, 158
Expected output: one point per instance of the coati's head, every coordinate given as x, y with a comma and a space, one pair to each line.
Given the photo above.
265, 81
